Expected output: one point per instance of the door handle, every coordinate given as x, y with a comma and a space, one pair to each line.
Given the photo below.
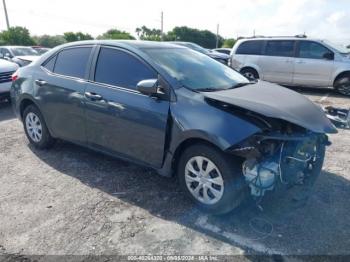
300, 62
93, 96
40, 82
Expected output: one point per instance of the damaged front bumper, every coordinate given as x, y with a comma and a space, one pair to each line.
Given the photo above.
276, 160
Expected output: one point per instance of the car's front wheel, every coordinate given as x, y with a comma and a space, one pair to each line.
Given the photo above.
342, 85
35, 128
211, 179
250, 73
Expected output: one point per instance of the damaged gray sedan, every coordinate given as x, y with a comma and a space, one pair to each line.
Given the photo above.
177, 111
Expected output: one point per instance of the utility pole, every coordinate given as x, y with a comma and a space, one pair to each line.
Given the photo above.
161, 26
6, 15
217, 35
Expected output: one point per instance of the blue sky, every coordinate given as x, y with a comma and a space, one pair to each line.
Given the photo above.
317, 18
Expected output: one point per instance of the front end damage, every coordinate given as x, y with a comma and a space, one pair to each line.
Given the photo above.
281, 157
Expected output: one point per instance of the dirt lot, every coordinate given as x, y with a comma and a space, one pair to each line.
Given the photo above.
70, 200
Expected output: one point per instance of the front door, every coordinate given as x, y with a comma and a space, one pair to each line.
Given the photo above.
312, 68
120, 119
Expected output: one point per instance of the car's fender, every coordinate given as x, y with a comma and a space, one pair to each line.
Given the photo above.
193, 118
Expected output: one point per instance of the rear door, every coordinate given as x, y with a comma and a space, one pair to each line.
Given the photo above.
277, 64
122, 120
60, 86
311, 66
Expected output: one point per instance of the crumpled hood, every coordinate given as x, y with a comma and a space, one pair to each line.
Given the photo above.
278, 102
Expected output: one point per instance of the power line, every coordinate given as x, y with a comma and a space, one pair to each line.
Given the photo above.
6, 15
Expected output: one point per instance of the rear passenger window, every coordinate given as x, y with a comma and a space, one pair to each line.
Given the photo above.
118, 68
50, 64
250, 48
312, 50
73, 62
280, 48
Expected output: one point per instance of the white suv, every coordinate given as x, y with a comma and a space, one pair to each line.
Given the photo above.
294, 61
6, 71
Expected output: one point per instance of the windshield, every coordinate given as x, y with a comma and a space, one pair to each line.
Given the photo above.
24, 51
195, 70
341, 49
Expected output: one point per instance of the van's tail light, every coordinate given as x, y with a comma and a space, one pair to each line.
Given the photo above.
14, 76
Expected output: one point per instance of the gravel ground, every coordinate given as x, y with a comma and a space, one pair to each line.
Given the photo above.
72, 201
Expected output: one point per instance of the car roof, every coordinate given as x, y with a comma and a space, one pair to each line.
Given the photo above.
137, 44
277, 38
15, 46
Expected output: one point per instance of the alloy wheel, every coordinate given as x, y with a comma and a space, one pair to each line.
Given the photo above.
34, 127
344, 89
204, 180
249, 75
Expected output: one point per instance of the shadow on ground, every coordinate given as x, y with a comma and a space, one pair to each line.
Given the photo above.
321, 226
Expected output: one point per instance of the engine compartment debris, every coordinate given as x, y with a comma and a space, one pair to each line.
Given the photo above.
338, 116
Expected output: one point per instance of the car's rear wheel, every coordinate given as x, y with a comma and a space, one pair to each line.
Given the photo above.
250, 73
35, 128
342, 85
211, 179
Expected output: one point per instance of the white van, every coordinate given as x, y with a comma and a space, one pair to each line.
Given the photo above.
293, 61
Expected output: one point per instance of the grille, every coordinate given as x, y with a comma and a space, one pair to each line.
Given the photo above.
6, 77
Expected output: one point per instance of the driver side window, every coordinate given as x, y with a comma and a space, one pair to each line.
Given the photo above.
312, 50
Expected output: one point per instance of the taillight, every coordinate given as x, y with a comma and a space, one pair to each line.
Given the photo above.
14, 76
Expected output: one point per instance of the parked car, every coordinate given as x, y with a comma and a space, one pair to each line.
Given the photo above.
294, 61
41, 50
21, 55
226, 51
222, 58
177, 111
6, 71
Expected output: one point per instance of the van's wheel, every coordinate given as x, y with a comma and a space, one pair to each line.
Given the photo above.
342, 85
36, 129
211, 179
250, 73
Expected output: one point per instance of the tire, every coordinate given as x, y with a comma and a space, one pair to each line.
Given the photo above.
342, 85
250, 73
36, 129
234, 190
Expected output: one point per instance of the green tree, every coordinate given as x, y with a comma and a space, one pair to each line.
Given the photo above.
50, 41
16, 36
229, 43
204, 38
116, 34
145, 33
79, 36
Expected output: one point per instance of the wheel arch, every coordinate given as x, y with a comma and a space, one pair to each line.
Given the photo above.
186, 144
25, 102
340, 75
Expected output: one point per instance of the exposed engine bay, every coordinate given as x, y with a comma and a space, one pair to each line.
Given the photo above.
283, 156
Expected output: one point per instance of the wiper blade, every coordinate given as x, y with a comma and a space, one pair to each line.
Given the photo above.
209, 89
242, 84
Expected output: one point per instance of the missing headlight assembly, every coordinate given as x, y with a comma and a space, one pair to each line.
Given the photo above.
276, 160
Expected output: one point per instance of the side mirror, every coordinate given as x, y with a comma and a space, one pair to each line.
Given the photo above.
328, 56
150, 87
